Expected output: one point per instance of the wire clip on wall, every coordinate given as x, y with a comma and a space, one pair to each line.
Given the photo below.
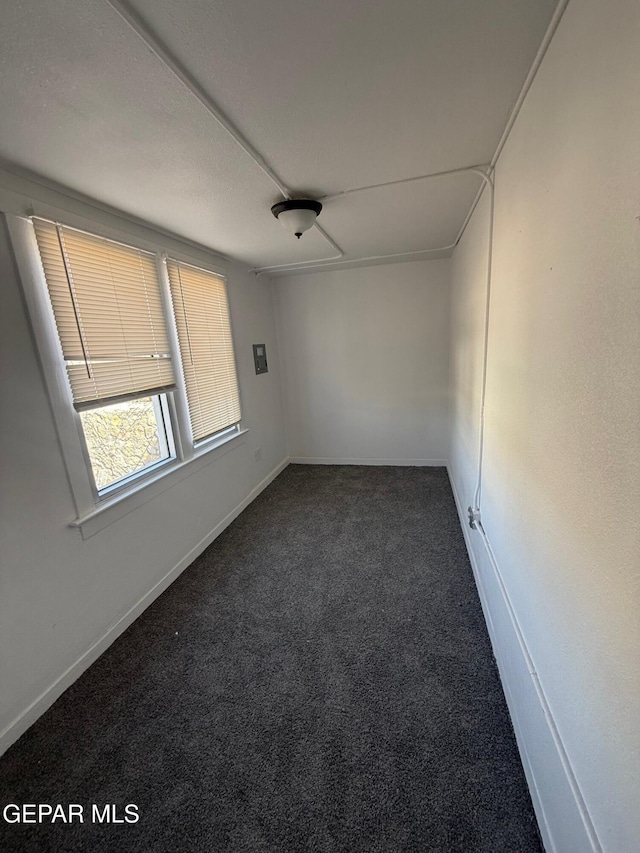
474, 517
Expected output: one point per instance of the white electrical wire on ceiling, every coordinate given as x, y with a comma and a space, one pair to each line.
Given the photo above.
162, 52
533, 70
331, 262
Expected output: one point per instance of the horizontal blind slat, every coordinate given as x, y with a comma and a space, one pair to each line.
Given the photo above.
107, 304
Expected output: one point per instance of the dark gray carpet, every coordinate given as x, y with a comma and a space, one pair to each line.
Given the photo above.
320, 679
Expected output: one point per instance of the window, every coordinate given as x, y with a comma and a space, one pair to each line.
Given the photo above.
125, 439
204, 332
148, 358
107, 304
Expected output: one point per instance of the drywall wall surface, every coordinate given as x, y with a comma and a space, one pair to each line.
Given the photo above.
561, 480
365, 363
60, 594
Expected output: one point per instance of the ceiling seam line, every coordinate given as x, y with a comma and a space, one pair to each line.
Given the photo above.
162, 52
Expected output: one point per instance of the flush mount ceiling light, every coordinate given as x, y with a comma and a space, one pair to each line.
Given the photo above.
297, 214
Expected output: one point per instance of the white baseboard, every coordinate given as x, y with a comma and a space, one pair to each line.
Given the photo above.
332, 460
26, 718
563, 818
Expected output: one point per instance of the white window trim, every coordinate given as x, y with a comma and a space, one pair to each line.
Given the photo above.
95, 513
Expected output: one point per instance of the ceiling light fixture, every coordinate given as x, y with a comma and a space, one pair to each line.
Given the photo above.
297, 214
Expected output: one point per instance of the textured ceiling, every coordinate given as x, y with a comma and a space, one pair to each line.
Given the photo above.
333, 95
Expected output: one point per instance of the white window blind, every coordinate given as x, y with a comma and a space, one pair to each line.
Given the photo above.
204, 331
108, 308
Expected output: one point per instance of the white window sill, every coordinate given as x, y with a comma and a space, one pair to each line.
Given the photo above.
122, 503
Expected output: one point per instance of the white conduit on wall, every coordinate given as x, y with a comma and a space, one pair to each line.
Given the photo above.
160, 50
476, 523
474, 509
486, 173
533, 70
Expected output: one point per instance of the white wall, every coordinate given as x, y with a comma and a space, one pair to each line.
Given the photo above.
364, 356
561, 485
61, 595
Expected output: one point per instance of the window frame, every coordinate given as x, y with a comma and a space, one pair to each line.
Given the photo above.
163, 418
94, 511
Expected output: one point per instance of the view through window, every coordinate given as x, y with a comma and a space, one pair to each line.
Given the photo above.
124, 439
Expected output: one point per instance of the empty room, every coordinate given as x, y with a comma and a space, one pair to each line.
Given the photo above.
320, 415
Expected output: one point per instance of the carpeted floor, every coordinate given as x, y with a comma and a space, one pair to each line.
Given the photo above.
320, 679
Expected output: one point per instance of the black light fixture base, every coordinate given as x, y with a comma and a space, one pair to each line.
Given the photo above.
296, 204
